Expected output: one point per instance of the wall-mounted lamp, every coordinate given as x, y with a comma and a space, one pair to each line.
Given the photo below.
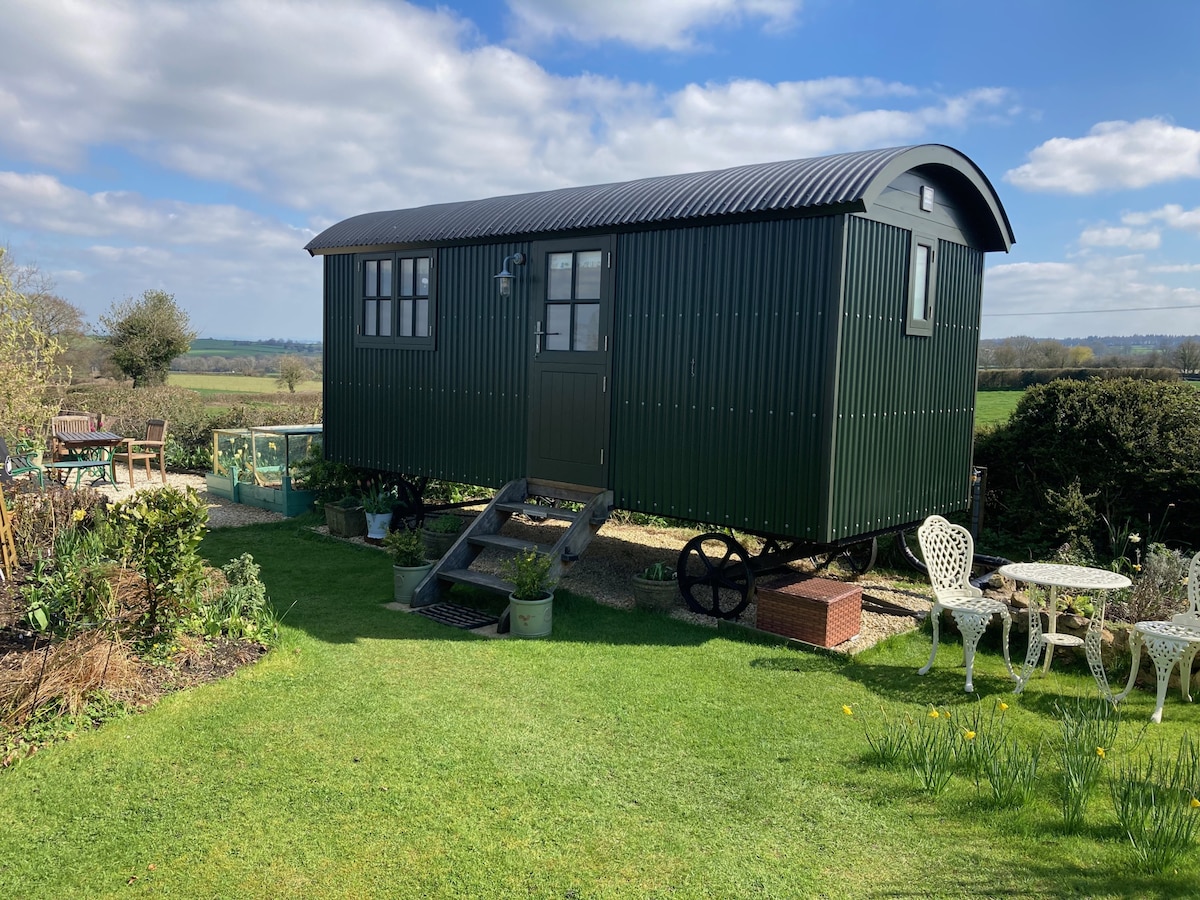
505, 278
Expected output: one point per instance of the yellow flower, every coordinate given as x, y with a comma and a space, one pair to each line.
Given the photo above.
847, 710
1003, 706
969, 735
1135, 538
1195, 803
1136, 567
79, 515
933, 714
1100, 752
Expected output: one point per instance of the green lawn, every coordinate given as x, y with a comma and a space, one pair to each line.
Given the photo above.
994, 407
235, 384
378, 754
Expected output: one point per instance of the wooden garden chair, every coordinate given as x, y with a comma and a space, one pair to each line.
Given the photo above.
949, 550
152, 446
67, 422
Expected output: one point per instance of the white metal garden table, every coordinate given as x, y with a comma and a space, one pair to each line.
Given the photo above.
1080, 578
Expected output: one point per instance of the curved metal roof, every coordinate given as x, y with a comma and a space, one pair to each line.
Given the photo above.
843, 182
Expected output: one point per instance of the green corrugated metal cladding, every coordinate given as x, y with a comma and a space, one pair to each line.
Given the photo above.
722, 358
905, 407
455, 412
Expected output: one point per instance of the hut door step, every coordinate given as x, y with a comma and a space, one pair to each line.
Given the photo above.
519, 496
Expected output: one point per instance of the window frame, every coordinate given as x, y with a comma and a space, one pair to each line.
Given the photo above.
394, 340
921, 325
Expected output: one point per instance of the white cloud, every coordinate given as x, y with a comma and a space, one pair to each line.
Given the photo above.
1172, 215
1114, 155
291, 105
1109, 236
646, 24
235, 271
1092, 295
1175, 269
336, 114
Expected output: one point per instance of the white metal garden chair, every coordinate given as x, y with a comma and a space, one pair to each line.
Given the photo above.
1168, 643
948, 551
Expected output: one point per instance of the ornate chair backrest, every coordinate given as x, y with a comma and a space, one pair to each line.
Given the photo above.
1191, 617
156, 430
948, 551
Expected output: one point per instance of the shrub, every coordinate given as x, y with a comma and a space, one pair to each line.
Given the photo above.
1075, 455
406, 547
159, 533
447, 524
241, 608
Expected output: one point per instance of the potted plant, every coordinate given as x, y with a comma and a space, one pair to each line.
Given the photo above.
345, 517
440, 534
531, 603
409, 565
377, 506
655, 588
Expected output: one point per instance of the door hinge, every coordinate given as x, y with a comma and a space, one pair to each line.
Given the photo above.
610, 259
601, 456
606, 343
604, 385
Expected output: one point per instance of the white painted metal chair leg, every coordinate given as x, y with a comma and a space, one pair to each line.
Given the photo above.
971, 626
935, 617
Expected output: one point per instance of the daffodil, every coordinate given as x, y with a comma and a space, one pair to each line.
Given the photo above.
969, 735
933, 714
1003, 706
79, 515
1195, 803
847, 710
1135, 538
1100, 752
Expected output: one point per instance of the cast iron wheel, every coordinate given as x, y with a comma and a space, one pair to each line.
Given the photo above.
714, 575
858, 558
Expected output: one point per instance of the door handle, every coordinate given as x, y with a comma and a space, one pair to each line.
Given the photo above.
537, 338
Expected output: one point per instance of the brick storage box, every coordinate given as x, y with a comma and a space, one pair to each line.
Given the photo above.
814, 610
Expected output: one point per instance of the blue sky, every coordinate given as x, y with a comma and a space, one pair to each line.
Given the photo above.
196, 146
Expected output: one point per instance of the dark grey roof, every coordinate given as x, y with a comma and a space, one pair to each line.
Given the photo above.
846, 181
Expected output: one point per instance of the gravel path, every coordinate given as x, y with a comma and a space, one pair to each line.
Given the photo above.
222, 513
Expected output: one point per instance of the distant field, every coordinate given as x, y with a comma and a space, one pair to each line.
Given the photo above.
229, 349
993, 407
235, 384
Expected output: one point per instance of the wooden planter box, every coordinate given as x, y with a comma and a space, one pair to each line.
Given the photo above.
814, 610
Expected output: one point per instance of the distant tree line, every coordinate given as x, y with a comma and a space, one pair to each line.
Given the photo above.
263, 364
1150, 352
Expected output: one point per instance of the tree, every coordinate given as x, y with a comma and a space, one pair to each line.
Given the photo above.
29, 370
1079, 356
145, 335
1187, 356
292, 371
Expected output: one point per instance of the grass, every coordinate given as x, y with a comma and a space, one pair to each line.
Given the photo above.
994, 407
207, 385
380, 754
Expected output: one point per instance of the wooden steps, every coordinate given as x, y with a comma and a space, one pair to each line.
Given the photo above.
518, 497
